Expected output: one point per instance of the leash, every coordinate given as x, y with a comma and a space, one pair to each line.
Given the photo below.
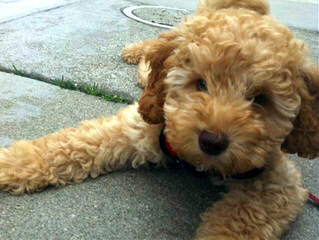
313, 198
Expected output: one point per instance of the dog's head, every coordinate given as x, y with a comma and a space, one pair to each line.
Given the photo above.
233, 87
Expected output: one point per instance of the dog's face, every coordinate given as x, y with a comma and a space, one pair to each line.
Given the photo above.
232, 88
230, 101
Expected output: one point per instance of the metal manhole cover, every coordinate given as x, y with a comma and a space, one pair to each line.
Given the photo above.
158, 16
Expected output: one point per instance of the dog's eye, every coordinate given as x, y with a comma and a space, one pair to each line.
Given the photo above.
201, 85
259, 99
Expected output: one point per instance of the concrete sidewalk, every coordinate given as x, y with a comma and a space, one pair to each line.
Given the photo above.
82, 42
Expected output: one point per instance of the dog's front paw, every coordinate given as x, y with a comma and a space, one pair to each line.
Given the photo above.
133, 53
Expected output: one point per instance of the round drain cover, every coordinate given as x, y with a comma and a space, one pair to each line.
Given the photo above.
158, 16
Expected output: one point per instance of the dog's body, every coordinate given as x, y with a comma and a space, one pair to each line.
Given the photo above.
233, 88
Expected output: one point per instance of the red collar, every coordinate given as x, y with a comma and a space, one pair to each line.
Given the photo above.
166, 147
170, 152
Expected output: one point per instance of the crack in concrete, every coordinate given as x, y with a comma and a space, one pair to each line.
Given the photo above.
86, 88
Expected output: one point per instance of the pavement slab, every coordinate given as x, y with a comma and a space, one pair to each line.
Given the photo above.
30, 108
12, 9
81, 42
301, 14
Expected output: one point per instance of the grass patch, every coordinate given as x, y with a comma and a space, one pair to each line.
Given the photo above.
16, 71
93, 90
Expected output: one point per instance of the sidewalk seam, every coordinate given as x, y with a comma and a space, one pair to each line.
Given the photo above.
86, 88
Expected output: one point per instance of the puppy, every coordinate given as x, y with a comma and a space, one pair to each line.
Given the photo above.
231, 90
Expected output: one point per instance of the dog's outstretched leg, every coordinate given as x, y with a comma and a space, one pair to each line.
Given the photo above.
71, 155
259, 210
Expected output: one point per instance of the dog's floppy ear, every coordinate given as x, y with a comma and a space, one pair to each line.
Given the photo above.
160, 57
304, 138
260, 6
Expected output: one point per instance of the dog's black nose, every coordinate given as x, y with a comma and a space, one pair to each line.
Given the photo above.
213, 143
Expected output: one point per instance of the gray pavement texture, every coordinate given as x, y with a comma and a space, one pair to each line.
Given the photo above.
82, 42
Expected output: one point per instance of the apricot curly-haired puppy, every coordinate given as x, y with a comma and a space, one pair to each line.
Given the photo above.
233, 90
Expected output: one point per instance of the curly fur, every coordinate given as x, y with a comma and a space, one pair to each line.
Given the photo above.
71, 155
240, 52
304, 138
